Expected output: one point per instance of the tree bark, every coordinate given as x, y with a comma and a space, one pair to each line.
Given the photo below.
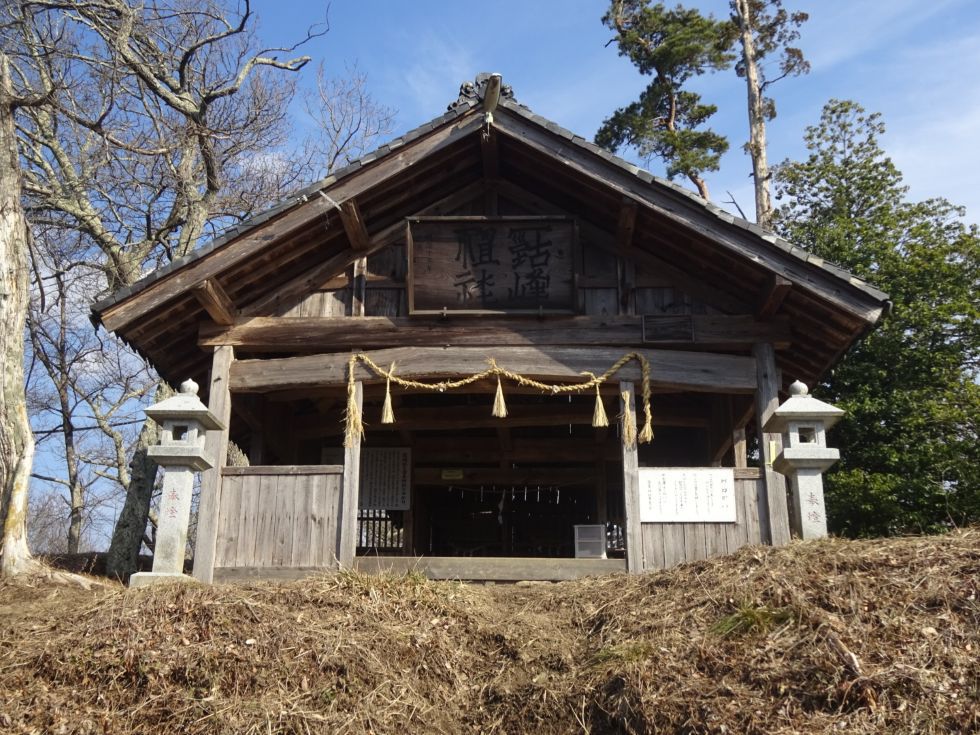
127, 537
16, 438
757, 118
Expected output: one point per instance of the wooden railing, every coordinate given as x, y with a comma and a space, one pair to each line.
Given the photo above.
279, 516
285, 520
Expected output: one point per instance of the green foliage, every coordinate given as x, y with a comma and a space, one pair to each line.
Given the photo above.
909, 442
752, 618
628, 652
672, 46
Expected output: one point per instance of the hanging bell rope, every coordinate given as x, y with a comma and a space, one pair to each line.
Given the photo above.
354, 430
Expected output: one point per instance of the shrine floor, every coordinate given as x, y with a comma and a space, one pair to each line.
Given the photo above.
471, 568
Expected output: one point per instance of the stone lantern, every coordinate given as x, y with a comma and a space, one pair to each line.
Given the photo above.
184, 421
803, 422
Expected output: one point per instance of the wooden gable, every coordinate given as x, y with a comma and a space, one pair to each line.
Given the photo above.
652, 265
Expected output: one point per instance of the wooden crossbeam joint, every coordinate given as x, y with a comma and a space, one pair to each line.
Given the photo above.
353, 221
216, 302
777, 290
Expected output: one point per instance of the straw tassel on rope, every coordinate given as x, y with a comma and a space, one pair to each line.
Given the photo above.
599, 417
646, 433
499, 407
354, 426
387, 413
629, 423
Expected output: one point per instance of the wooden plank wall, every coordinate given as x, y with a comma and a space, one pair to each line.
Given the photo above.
279, 516
668, 544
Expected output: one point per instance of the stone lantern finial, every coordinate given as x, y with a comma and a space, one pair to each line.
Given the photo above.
798, 388
184, 422
803, 421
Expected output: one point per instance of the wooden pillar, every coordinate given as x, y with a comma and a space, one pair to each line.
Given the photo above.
739, 447
631, 486
773, 514
216, 446
347, 517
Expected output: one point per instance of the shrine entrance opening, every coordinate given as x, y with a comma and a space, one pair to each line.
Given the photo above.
485, 486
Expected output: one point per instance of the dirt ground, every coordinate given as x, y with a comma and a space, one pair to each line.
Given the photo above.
830, 636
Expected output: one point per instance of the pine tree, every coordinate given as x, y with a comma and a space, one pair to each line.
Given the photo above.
672, 46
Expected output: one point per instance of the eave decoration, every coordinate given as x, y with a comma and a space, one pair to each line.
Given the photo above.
354, 424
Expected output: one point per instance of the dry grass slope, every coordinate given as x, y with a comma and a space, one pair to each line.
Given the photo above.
834, 636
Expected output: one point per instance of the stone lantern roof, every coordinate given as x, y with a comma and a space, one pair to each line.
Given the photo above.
185, 406
801, 406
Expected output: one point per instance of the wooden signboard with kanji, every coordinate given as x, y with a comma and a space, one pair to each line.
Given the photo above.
483, 265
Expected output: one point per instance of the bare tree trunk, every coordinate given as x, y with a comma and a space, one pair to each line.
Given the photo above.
757, 118
16, 438
75, 489
127, 536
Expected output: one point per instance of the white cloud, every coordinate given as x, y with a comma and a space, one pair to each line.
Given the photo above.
422, 89
840, 31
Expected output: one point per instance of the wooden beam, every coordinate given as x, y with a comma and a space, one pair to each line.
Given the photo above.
719, 429
216, 302
358, 287
305, 283
304, 334
774, 296
457, 476
631, 486
694, 371
256, 239
691, 284
625, 268
718, 331
350, 490
469, 450
774, 517
353, 221
648, 261
626, 226
473, 417
491, 156
216, 448
739, 448
315, 278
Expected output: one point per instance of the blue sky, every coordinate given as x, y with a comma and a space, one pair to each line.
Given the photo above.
914, 61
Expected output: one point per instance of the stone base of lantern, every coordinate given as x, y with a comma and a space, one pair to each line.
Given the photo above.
146, 579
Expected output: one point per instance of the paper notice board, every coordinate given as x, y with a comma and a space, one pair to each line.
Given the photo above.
386, 479
687, 495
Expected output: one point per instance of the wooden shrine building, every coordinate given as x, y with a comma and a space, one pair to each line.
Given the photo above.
451, 355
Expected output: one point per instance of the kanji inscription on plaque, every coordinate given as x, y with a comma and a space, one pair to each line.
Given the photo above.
506, 264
